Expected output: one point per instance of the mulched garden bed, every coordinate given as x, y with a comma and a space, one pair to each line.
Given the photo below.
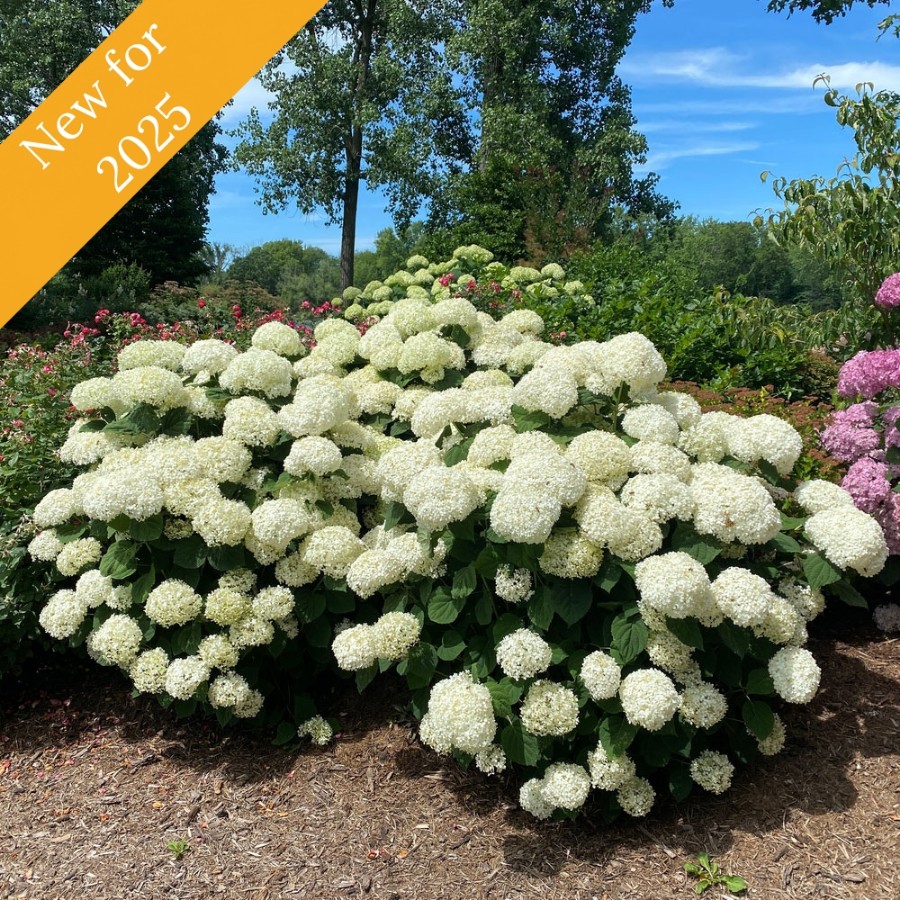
94, 784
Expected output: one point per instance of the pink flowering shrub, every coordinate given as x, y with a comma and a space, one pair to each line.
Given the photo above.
869, 373
866, 436
888, 295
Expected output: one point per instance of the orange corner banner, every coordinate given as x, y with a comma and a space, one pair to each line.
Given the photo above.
119, 118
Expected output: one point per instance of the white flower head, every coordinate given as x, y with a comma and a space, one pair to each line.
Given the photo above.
549, 709
649, 698
116, 641
438, 495
173, 603
601, 675
63, 614
460, 716
795, 674
523, 654
609, 773
565, 786
849, 538
395, 634
712, 771
513, 585
184, 677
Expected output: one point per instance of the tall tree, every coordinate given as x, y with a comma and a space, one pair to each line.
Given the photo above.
163, 227
361, 93
556, 142
822, 10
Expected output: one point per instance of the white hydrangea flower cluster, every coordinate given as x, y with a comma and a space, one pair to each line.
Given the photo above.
849, 538
549, 709
601, 675
523, 654
795, 674
513, 585
649, 698
564, 786
712, 771
317, 730
460, 716
390, 638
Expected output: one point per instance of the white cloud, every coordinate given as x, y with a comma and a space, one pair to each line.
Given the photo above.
661, 159
719, 67
692, 127
784, 105
846, 76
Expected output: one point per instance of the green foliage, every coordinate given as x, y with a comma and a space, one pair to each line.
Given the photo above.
364, 97
390, 253
178, 847
822, 10
709, 874
24, 587
851, 222
34, 387
119, 288
290, 271
216, 260
547, 74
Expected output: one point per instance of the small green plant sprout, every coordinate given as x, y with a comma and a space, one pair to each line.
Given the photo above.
709, 874
178, 847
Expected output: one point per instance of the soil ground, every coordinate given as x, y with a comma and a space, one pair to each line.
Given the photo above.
94, 784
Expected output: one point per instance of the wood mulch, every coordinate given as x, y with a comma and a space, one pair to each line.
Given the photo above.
94, 784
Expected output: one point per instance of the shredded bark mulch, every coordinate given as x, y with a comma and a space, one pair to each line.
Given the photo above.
94, 785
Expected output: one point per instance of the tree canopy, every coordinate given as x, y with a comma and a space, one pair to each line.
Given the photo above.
503, 119
822, 10
289, 270
555, 141
361, 93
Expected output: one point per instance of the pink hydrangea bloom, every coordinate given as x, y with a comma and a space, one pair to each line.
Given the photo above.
850, 434
888, 295
869, 373
867, 483
888, 517
891, 427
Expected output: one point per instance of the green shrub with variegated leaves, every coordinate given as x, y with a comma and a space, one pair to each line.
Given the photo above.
579, 576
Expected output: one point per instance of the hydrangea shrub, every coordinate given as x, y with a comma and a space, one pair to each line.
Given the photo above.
579, 575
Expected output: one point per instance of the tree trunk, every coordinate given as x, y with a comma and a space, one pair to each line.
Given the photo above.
351, 201
354, 143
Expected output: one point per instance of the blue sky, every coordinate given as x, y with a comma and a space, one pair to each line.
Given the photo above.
721, 97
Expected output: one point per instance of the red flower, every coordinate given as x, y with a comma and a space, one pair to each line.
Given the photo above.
201, 303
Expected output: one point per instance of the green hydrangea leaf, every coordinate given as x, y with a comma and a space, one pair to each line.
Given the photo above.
616, 735
572, 600
759, 718
118, 561
819, 572
687, 631
520, 746
629, 639
759, 681
541, 608
443, 607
